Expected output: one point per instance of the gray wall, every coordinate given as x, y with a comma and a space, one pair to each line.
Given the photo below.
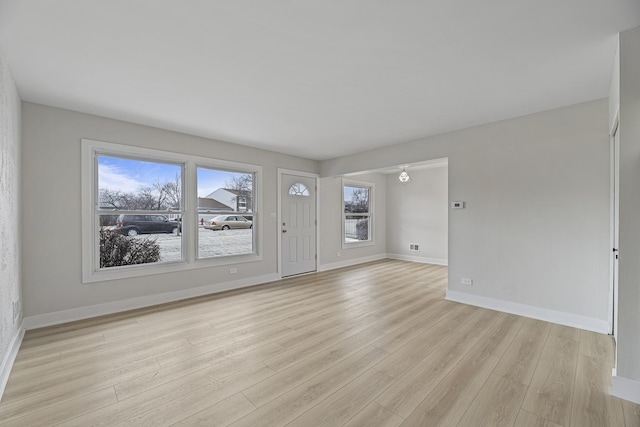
536, 227
417, 213
628, 348
331, 222
52, 208
614, 88
10, 280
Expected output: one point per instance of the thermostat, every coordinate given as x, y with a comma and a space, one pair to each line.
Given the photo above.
457, 205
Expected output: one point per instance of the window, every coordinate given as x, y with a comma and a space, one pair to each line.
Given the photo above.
299, 189
148, 211
242, 203
357, 219
131, 194
225, 235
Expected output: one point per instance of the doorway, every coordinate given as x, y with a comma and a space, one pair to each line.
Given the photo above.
297, 222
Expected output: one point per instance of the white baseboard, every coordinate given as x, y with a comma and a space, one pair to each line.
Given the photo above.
59, 317
625, 388
559, 317
9, 358
350, 262
420, 259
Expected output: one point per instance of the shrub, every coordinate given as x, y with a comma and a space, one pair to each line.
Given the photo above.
362, 228
107, 220
117, 250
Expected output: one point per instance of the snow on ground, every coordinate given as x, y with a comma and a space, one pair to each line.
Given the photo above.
210, 243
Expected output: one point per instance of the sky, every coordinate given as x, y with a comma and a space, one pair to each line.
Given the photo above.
127, 175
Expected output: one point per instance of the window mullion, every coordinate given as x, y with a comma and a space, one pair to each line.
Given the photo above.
139, 212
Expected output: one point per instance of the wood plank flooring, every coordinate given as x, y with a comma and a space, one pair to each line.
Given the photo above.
370, 345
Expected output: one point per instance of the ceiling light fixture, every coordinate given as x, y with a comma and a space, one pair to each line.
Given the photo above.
404, 177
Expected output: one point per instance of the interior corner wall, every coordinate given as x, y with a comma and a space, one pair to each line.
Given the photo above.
330, 220
628, 343
52, 269
535, 231
10, 212
417, 214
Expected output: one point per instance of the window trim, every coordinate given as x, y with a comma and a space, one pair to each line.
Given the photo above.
89, 230
362, 184
225, 167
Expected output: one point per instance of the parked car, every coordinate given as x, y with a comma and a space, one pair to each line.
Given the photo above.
132, 225
227, 222
177, 221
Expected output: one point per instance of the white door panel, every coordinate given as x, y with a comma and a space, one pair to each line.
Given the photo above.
298, 227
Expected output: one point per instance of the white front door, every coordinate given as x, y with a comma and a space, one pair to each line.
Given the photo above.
298, 224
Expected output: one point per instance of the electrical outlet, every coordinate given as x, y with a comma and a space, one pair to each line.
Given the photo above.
466, 281
233, 270
414, 247
339, 254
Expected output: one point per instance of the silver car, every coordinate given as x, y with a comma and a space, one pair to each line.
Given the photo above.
228, 222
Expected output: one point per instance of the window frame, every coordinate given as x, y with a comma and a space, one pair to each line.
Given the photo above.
91, 149
224, 166
138, 212
371, 240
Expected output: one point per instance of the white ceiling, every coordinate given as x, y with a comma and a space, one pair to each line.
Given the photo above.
316, 79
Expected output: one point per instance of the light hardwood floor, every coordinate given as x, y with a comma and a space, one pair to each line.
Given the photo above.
371, 345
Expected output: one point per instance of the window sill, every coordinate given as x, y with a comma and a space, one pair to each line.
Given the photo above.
130, 272
361, 244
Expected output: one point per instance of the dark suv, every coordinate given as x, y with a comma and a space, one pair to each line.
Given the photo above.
132, 225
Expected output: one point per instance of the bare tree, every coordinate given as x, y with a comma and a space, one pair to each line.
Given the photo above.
110, 198
159, 191
173, 191
157, 196
359, 201
146, 198
116, 199
239, 182
129, 201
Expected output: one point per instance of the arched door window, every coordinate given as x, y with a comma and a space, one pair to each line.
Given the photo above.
298, 189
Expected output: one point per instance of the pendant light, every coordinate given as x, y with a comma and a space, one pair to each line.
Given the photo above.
404, 177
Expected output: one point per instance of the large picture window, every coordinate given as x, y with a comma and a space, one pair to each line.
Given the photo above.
357, 224
225, 212
139, 211
148, 211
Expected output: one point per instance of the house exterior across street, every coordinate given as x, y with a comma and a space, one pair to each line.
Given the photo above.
238, 200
